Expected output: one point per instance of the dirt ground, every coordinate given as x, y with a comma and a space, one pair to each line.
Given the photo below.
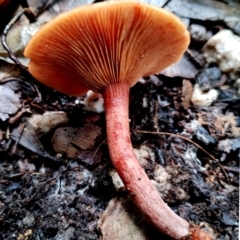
56, 177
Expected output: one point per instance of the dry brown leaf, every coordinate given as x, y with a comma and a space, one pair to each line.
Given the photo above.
224, 124
69, 140
187, 91
227, 123
25, 136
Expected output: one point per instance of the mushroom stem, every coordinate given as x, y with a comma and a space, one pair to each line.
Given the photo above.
145, 196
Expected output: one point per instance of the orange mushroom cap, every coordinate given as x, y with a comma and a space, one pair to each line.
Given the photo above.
103, 43
3, 3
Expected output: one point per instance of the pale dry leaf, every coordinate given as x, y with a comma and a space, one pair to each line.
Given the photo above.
66, 5
9, 102
120, 221
226, 11
184, 68
42, 124
156, 3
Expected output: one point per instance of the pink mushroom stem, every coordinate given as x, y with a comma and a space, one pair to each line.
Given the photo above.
145, 196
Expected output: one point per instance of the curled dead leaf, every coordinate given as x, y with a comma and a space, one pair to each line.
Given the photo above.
187, 91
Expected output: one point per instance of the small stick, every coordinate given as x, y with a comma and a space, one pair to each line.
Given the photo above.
43, 6
104, 141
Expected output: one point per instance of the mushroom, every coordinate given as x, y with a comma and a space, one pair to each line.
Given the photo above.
107, 47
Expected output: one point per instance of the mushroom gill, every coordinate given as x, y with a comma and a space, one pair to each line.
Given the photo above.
106, 43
